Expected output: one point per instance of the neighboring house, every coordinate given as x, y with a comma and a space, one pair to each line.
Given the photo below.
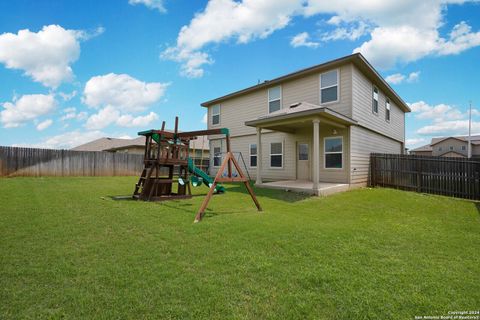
199, 148
449, 147
318, 124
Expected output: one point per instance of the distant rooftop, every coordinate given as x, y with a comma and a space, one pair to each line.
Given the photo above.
111, 144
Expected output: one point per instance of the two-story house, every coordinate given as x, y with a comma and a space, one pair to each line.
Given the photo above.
315, 127
456, 147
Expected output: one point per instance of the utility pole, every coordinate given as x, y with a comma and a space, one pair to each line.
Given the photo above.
470, 132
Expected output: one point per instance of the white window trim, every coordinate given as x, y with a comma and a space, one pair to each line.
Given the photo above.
378, 100
268, 100
215, 114
276, 154
388, 106
250, 155
213, 164
337, 85
325, 153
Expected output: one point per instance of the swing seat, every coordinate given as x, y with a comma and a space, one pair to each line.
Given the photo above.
196, 181
181, 182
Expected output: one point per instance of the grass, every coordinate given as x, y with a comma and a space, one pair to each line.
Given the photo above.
67, 249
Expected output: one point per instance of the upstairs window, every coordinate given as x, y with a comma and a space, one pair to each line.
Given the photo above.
276, 155
217, 156
274, 99
253, 155
439, 148
216, 115
387, 110
375, 100
451, 148
333, 152
464, 148
329, 87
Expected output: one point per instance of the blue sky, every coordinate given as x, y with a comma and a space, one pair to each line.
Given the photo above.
73, 71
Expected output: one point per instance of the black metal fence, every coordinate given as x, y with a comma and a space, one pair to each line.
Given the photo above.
455, 177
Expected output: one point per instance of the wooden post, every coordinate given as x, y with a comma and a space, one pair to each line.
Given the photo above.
259, 156
227, 138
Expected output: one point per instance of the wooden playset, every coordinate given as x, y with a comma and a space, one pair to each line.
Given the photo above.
168, 165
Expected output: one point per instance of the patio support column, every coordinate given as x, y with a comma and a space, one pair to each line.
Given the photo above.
316, 154
259, 156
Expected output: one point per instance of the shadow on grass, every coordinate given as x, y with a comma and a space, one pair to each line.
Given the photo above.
280, 195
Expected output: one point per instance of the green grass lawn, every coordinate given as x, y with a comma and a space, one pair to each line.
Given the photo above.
67, 249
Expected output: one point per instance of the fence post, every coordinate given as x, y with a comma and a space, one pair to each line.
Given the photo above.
419, 175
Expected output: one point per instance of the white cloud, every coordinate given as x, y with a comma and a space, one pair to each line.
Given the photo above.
45, 56
205, 118
122, 92
447, 128
26, 108
151, 4
119, 95
109, 115
352, 31
128, 120
68, 96
71, 113
446, 119
103, 118
411, 142
301, 40
400, 31
66, 140
223, 20
44, 124
398, 78
438, 113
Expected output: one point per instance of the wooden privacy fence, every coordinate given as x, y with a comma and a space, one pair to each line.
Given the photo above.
456, 177
46, 162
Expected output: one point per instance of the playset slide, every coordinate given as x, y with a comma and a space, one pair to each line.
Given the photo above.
206, 179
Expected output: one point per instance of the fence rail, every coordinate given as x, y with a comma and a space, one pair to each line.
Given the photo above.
47, 162
455, 177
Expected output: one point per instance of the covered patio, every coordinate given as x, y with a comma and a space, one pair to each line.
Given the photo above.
290, 120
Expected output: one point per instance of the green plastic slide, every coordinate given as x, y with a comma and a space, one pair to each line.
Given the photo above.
207, 180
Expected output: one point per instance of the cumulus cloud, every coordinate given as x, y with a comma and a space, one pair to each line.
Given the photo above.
118, 96
151, 4
128, 120
45, 56
400, 31
398, 78
44, 124
205, 118
445, 119
223, 20
302, 40
122, 92
438, 113
26, 108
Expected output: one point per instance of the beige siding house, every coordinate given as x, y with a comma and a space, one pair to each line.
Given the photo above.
313, 128
456, 147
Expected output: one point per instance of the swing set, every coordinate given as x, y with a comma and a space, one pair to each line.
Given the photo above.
167, 163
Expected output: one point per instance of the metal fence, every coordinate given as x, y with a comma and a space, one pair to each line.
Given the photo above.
46, 162
455, 177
